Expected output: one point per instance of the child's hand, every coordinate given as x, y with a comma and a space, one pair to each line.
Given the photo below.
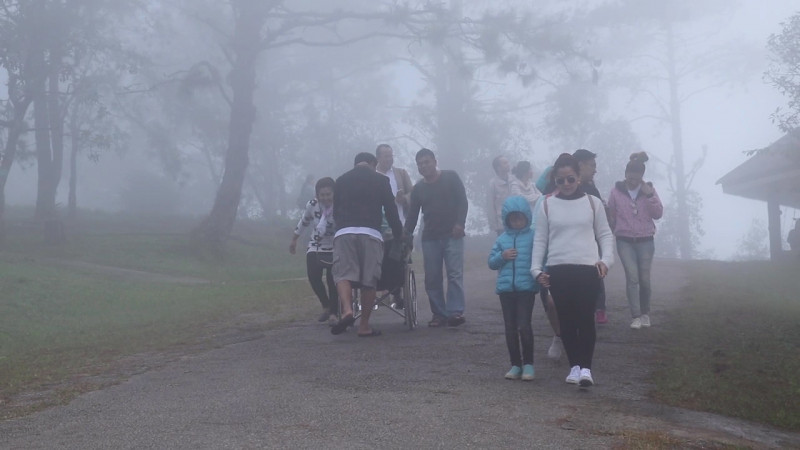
510, 254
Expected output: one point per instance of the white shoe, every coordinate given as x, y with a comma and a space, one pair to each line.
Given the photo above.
554, 352
574, 375
645, 320
585, 378
637, 323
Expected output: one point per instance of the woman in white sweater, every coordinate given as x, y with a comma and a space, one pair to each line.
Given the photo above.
572, 233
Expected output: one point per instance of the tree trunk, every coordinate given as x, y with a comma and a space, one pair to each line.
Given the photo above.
246, 47
56, 120
15, 130
74, 149
684, 231
45, 204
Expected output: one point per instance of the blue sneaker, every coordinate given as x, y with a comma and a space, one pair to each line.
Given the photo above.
514, 374
527, 372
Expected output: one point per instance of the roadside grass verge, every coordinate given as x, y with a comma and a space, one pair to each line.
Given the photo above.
733, 347
257, 250
60, 323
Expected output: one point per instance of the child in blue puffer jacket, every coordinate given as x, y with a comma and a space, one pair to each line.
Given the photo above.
511, 257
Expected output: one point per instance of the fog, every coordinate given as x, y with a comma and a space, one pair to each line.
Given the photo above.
149, 101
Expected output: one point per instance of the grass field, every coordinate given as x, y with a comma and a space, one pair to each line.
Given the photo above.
57, 321
735, 348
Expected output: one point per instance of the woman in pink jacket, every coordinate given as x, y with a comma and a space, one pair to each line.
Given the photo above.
633, 207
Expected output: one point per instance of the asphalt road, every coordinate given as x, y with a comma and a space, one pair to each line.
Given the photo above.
297, 386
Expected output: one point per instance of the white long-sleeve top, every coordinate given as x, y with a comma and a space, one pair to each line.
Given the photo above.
570, 232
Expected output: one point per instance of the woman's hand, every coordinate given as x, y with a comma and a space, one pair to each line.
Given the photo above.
544, 279
647, 188
293, 245
602, 270
510, 254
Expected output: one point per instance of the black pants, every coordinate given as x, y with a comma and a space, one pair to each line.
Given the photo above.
314, 268
600, 303
574, 290
517, 311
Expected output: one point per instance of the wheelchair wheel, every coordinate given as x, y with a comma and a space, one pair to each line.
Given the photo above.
356, 305
410, 298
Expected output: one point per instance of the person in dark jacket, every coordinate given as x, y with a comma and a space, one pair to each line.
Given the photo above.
443, 200
511, 257
363, 196
587, 165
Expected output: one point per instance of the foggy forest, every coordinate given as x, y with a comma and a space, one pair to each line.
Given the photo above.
174, 174
218, 110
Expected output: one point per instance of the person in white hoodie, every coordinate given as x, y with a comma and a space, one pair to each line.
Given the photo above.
572, 233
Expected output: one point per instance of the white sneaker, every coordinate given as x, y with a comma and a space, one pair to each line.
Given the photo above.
645, 320
586, 378
637, 323
554, 352
574, 375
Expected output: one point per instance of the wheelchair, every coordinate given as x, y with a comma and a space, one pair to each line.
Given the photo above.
398, 282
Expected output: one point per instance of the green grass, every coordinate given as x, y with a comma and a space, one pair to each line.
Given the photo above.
162, 244
57, 321
734, 348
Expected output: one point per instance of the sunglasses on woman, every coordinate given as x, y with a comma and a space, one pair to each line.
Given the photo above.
569, 180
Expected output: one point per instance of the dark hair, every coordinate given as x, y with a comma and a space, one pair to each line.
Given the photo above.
496, 162
424, 152
582, 154
521, 169
379, 147
636, 164
323, 183
564, 160
368, 158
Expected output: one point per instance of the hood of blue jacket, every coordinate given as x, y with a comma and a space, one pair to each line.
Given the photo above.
516, 203
544, 180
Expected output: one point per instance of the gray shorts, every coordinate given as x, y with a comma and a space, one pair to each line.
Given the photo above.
357, 258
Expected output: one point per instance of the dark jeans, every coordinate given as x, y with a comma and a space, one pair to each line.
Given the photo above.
517, 311
314, 268
574, 290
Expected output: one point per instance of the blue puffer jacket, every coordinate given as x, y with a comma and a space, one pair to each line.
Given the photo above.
514, 275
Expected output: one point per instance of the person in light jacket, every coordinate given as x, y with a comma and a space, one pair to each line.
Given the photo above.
511, 258
633, 206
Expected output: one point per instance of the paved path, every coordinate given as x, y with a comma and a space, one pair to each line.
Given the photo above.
300, 387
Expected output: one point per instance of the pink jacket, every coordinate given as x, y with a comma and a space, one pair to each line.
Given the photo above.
633, 217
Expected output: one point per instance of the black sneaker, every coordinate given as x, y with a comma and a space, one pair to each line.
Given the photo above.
323, 317
456, 320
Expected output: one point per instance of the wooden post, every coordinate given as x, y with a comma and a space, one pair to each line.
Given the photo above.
774, 227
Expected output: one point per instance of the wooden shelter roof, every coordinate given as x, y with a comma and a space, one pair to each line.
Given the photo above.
771, 174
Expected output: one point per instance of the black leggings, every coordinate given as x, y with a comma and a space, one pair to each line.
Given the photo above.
314, 268
574, 290
517, 311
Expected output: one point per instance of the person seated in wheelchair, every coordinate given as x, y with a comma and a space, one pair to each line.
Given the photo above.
393, 267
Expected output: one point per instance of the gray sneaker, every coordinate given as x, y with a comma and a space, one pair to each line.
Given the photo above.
645, 320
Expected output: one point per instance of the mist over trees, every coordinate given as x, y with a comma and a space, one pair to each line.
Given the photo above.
220, 109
